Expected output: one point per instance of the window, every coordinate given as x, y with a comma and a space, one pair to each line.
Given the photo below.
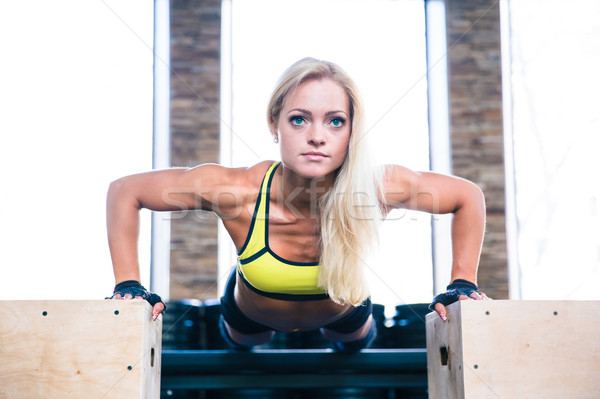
554, 59
76, 104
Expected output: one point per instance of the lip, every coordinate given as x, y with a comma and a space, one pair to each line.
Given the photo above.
314, 155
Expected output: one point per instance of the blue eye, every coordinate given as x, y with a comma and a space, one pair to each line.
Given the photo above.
296, 120
337, 122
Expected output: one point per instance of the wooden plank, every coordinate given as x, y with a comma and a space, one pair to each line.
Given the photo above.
79, 349
515, 349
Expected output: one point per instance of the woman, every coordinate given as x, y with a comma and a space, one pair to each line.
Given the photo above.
302, 226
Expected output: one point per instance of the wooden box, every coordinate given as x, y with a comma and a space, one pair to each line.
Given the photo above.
79, 349
515, 349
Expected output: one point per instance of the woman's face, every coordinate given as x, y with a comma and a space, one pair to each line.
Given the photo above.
314, 128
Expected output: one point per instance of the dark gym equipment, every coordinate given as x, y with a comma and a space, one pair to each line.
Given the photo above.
197, 364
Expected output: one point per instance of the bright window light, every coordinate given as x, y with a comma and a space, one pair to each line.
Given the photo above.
556, 133
76, 105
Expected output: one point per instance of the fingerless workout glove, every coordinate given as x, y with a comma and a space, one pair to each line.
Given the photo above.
134, 288
453, 292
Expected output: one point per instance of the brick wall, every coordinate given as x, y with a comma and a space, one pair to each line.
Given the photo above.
475, 88
195, 63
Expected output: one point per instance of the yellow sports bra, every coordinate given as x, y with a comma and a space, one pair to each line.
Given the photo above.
263, 270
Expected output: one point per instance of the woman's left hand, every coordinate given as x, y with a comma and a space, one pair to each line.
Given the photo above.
459, 290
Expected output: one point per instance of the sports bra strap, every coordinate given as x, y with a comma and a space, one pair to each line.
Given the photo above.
256, 239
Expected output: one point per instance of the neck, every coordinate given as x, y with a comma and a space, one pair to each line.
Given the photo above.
300, 194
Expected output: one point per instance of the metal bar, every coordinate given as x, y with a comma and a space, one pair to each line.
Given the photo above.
369, 361
305, 381
304, 368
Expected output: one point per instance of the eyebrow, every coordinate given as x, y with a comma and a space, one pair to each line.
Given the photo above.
307, 112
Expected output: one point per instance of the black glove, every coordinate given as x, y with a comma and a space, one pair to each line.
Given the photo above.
136, 289
454, 291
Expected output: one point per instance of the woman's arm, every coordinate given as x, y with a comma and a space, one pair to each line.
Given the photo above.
438, 194
166, 190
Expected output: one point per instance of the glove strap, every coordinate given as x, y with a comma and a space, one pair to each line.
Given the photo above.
460, 283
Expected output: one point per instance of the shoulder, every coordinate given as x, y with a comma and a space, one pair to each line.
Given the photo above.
397, 173
254, 174
399, 178
226, 188
243, 177
396, 186
219, 175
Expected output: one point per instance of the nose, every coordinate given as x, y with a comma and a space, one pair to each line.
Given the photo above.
316, 136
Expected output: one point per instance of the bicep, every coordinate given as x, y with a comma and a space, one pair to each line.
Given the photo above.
427, 191
174, 189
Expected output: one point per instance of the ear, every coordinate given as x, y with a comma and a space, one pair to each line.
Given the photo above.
273, 126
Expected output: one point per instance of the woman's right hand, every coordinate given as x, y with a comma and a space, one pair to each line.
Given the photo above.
169, 190
207, 187
132, 289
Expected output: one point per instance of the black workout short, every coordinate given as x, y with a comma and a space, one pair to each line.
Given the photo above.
241, 323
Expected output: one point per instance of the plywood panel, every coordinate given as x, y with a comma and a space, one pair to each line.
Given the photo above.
79, 349
515, 349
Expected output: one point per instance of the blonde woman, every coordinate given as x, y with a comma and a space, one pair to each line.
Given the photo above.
304, 226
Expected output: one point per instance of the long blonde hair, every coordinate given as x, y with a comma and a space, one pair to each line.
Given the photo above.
349, 212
